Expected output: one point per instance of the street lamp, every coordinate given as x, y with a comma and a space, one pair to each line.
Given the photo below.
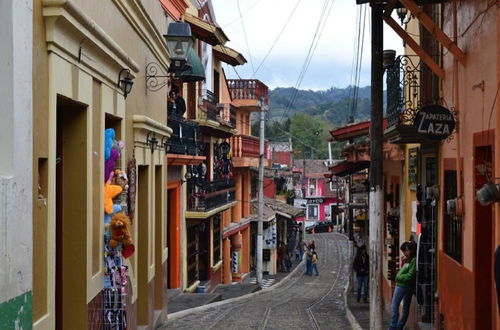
403, 15
179, 42
125, 83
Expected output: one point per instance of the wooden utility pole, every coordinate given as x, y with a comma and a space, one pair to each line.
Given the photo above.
376, 171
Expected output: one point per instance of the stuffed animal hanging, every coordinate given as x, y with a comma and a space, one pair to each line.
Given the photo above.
109, 136
110, 191
120, 233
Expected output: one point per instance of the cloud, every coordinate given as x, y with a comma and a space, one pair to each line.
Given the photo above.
263, 20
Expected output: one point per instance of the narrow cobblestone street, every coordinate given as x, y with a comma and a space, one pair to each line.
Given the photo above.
302, 302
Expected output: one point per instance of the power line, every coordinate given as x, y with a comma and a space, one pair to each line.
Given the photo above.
278, 37
245, 34
246, 12
319, 28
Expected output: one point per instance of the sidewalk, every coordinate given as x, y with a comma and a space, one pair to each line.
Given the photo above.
183, 301
361, 310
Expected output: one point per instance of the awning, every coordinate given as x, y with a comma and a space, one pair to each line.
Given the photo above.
206, 31
196, 72
347, 168
229, 55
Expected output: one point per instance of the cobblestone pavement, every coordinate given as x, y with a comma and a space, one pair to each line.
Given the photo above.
303, 302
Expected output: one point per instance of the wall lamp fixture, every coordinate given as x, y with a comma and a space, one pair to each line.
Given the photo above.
179, 42
165, 144
151, 142
403, 15
125, 82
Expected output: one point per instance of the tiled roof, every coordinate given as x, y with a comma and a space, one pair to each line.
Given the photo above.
283, 207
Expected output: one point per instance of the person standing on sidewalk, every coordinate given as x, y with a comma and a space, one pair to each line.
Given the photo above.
405, 283
301, 247
308, 261
314, 262
361, 267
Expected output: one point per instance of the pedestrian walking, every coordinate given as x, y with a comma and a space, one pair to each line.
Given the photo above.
309, 261
361, 267
405, 283
314, 262
301, 247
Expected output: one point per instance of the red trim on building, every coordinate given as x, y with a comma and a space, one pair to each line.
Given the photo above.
353, 131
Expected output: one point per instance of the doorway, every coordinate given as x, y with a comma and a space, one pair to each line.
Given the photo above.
71, 212
174, 235
483, 242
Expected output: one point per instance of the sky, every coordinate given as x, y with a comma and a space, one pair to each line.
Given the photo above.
331, 64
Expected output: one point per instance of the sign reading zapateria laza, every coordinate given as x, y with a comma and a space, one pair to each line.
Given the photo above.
434, 122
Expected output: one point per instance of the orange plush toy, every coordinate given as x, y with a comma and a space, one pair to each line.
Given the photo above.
120, 232
110, 192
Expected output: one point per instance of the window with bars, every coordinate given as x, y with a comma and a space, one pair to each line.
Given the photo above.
216, 239
452, 224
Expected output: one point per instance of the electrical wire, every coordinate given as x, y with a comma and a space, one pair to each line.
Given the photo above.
245, 34
325, 13
246, 12
277, 37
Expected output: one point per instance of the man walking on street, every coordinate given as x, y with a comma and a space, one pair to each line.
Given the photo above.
361, 267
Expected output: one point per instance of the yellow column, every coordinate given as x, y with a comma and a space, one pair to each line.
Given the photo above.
238, 206
246, 194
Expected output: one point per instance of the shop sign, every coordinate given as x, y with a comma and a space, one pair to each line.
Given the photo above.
434, 122
315, 201
299, 203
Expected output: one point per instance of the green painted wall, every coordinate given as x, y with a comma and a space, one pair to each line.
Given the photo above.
16, 313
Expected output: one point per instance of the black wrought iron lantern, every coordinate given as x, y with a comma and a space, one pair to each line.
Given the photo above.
403, 15
125, 82
152, 142
179, 42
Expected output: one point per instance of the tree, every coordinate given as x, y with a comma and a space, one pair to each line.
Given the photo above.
309, 136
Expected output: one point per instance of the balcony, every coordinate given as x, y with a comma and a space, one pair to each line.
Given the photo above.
183, 148
216, 119
208, 198
245, 150
246, 93
410, 86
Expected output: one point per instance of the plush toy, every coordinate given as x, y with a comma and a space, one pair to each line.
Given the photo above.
111, 162
107, 217
109, 137
110, 191
120, 233
121, 179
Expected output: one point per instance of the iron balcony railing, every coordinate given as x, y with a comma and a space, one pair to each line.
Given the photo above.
204, 196
403, 90
248, 89
246, 146
184, 139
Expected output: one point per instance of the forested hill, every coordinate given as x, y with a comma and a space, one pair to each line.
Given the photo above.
332, 104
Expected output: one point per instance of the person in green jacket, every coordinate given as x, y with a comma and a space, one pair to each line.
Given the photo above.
405, 284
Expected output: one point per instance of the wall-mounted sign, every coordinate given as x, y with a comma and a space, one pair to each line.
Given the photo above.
299, 203
315, 201
434, 122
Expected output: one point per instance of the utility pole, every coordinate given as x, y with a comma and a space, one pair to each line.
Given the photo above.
376, 171
263, 108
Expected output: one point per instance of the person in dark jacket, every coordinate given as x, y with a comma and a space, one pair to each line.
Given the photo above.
405, 284
362, 268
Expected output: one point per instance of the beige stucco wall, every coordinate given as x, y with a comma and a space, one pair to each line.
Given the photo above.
88, 45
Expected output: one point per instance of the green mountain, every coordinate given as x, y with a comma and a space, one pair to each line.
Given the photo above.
332, 104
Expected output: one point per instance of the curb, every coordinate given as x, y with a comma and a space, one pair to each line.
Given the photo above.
179, 314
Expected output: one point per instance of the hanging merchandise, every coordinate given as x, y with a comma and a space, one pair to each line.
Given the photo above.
132, 170
120, 233
109, 137
110, 192
117, 237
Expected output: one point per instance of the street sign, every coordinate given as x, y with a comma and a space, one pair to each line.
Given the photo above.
315, 201
434, 122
